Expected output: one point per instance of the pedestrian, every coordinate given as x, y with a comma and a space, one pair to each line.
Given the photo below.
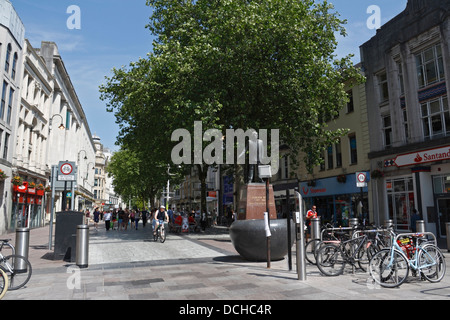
120, 214
126, 218
107, 219
96, 218
144, 216
137, 216
311, 214
132, 214
414, 218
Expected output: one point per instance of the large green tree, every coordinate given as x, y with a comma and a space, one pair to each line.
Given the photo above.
263, 64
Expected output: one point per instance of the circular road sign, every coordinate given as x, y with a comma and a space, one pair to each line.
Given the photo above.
66, 169
361, 177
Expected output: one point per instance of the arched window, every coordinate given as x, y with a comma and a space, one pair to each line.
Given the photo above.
13, 72
8, 56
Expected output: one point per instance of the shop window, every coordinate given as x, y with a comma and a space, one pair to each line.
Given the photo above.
400, 194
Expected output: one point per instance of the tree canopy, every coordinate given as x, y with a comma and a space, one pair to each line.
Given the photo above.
262, 64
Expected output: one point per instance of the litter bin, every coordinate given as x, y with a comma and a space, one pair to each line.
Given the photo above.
420, 226
447, 228
82, 246
21, 247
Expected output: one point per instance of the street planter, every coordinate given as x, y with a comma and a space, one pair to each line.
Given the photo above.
249, 239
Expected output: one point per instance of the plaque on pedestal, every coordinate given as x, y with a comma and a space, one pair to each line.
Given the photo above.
252, 204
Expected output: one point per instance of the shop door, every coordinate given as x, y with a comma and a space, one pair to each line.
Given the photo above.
444, 214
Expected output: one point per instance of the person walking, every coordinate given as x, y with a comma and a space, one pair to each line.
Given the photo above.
107, 219
96, 218
137, 217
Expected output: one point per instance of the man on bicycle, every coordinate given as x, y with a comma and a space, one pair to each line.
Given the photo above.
160, 217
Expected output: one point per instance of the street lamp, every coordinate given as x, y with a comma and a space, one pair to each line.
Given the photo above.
61, 126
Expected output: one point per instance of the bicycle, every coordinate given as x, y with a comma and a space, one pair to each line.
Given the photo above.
160, 233
390, 267
17, 268
332, 258
4, 283
329, 235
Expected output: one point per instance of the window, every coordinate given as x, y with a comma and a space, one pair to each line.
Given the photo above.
400, 194
383, 86
67, 119
5, 146
338, 154
353, 151
330, 157
11, 97
436, 118
430, 66
13, 72
387, 131
405, 123
350, 106
8, 57
400, 79
3, 102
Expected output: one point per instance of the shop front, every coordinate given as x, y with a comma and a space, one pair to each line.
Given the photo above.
27, 207
417, 180
337, 199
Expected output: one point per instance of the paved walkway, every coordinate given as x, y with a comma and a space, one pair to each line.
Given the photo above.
129, 265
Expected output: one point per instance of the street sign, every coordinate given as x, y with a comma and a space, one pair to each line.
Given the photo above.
361, 179
67, 171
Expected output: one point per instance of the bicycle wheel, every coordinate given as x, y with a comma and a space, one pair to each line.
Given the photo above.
18, 269
365, 253
162, 235
311, 248
431, 263
155, 235
4, 283
330, 260
389, 268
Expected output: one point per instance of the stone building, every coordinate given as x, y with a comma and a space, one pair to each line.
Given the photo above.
407, 65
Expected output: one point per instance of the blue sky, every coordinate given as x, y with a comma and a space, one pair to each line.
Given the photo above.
113, 34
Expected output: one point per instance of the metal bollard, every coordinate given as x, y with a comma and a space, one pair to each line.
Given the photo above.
420, 226
21, 247
82, 246
447, 227
389, 223
353, 222
315, 228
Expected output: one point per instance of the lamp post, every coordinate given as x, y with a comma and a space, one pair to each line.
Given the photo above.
265, 173
53, 177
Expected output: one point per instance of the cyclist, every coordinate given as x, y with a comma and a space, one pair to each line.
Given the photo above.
160, 217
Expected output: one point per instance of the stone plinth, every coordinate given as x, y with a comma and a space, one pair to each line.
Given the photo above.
252, 204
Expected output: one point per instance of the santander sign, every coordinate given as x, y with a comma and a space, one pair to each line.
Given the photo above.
423, 156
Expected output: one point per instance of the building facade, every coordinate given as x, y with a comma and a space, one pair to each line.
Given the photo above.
332, 187
407, 65
12, 33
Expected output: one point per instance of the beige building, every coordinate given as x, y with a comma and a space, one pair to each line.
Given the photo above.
332, 186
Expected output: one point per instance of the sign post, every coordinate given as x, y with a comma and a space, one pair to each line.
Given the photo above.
361, 182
